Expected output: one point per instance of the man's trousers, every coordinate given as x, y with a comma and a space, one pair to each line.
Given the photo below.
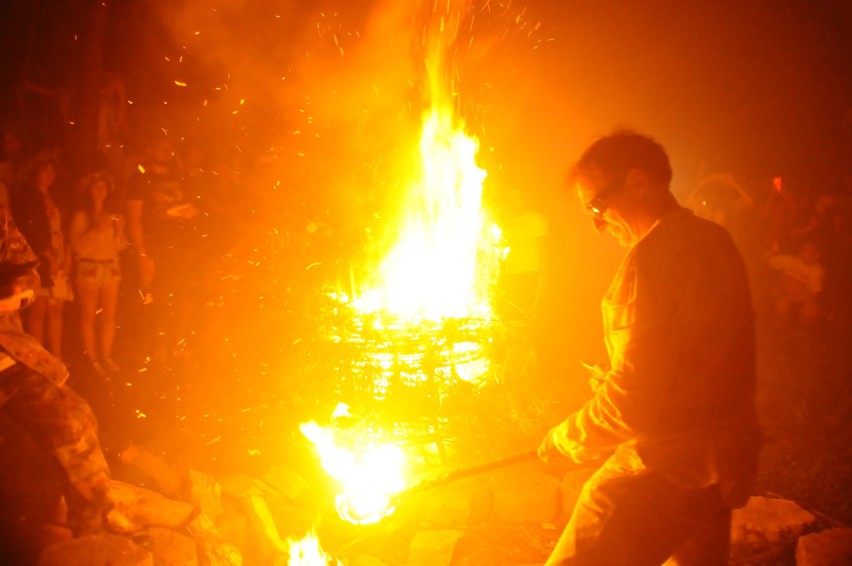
64, 425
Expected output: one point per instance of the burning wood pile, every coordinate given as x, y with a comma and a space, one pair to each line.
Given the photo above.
410, 348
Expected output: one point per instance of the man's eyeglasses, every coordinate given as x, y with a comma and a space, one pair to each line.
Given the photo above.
599, 205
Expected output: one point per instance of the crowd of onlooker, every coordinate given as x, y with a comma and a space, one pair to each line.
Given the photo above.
795, 239
151, 217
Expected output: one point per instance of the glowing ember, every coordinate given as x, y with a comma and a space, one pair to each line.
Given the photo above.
307, 552
369, 476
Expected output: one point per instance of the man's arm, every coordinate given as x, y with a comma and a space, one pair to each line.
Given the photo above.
18, 276
634, 391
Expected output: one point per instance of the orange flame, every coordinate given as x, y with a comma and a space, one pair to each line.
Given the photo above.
437, 269
369, 476
446, 257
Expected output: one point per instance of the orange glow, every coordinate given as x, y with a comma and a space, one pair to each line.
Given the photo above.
369, 475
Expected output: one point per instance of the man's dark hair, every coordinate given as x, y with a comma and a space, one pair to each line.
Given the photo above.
623, 150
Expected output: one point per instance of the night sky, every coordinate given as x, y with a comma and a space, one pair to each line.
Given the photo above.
763, 85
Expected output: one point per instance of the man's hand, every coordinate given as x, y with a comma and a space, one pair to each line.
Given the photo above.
9, 290
547, 450
13, 298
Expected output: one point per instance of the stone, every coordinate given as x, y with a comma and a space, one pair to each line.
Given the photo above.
205, 493
433, 548
163, 478
214, 548
136, 508
96, 550
240, 485
234, 527
524, 494
287, 482
168, 547
832, 547
263, 526
768, 520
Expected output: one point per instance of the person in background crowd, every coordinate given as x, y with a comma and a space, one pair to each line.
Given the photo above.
10, 165
801, 284
781, 213
96, 236
37, 213
34, 393
112, 115
675, 415
160, 227
719, 197
823, 225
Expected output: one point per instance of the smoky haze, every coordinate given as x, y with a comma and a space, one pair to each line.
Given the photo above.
760, 88
333, 90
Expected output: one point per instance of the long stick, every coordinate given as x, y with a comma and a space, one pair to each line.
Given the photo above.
468, 472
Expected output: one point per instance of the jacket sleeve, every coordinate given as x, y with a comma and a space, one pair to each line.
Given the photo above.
17, 260
639, 313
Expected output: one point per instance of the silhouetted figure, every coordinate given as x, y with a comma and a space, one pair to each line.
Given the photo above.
96, 236
799, 289
37, 213
675, 414
33, 392
160, 228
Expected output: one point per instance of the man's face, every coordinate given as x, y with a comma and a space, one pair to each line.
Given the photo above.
602, 198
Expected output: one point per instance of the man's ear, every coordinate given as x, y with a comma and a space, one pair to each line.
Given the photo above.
637, 183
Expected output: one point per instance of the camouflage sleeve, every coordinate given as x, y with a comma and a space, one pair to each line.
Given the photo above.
17, 260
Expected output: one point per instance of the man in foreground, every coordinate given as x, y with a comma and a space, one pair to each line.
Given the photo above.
34, 394
675, 414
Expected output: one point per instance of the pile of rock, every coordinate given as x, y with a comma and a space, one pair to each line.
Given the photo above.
240, 519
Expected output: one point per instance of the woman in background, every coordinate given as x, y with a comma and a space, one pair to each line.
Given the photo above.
38, 216
97, 236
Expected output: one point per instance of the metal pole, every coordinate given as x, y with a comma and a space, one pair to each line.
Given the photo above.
468, 472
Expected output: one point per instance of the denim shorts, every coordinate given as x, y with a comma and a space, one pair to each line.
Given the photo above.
98, 271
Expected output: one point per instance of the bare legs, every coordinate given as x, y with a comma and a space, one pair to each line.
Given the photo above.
109, 300
92, 295
87, 297
45, 317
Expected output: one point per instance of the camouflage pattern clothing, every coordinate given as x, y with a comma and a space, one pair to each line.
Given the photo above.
33, 392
